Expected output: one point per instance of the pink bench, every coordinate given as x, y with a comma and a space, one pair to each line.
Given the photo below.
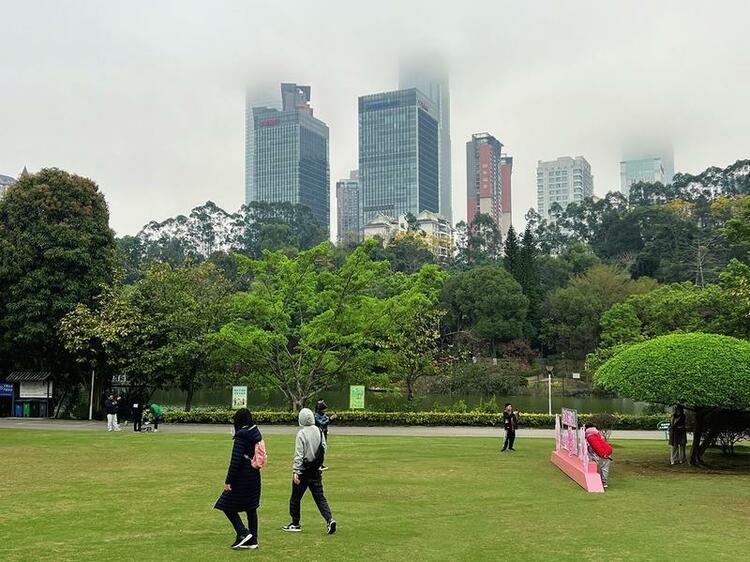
586, 477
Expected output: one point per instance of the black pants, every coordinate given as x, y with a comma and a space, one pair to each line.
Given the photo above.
316, 489
156, 423
510, 438
239, 526
137, 422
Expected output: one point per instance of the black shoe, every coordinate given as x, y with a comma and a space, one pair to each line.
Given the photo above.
292, 528
512, 449
242, 540
502, 450
331, 526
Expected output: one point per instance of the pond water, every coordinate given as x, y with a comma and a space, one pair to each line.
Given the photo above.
381, 401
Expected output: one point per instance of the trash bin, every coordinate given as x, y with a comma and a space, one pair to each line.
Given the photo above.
19, 409
26, 409
42, 409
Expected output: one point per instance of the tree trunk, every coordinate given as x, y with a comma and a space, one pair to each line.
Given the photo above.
189, 400
297, 403
695, 450
409, 389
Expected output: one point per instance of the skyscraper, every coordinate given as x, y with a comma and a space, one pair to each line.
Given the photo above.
506, 173
430, 76
347, 209
398, 154
484, 188
563, 181
650, 169
286, 154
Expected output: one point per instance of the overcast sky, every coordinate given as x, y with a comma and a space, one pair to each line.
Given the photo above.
147, 97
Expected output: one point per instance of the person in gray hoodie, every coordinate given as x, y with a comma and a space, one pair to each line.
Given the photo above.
309, 453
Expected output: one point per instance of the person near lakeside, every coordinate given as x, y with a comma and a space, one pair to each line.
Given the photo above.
322, 420
599, 450
136, 412
510, 422
309, 453
111, 406
678, 435
242, 484
156, 413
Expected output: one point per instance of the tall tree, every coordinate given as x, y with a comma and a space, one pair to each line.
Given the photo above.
56, 250
512, 253
479, 242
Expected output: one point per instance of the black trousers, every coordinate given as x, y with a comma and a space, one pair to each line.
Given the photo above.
510, 438
137, 422
239, 526
316, 489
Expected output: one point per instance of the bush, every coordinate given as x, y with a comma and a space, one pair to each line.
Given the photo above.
604, 422
485, 378
365, 418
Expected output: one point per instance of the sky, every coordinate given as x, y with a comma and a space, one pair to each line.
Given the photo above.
147, 97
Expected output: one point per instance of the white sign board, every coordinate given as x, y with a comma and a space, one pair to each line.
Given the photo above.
576, 375
239, 397
34, 389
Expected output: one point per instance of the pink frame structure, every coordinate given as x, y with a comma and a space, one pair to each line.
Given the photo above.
571, 454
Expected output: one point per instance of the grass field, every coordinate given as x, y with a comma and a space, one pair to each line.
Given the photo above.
124, 496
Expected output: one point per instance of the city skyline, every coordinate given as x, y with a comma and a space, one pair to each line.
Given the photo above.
147, 100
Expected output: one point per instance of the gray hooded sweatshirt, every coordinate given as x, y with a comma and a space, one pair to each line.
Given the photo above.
308, 440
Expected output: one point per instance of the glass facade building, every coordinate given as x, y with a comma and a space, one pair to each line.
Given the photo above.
287, 154
430, 76
347, 209
398, 154
650, 170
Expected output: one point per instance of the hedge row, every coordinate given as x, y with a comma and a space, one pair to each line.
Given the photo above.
364, 418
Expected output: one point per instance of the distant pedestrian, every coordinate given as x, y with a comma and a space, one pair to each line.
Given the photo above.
136, 413
309, 453
510, 422
156, 414
322, 420
599, 450
110, 406
242, 484
678, 435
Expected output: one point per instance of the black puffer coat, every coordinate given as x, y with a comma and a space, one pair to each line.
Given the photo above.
244, 479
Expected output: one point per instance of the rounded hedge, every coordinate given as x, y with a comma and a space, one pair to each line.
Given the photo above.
695, 369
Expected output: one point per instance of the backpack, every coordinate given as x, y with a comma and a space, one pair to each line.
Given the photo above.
314, 465
260, 458
599, 445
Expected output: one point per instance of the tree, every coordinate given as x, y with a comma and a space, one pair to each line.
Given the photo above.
707, 373
408, 252
304, 323
56, 250
620, 324
479, 242
486, 303
512, 251
527, 274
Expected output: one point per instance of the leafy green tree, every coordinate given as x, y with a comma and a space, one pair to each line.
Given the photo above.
408, 252
512, 257
305, 323
620, 324
56, 250
707, 373
527, 275
479, 242
487, 304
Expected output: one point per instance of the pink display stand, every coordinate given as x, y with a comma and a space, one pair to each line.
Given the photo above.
571, 453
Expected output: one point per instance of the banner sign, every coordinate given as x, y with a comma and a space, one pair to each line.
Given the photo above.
34, 390
569, 437
6, 389
239, 397
356, 397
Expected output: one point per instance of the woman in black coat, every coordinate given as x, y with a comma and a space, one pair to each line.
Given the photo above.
242, 485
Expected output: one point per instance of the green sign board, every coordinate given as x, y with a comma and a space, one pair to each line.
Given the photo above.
239, 397
356, 397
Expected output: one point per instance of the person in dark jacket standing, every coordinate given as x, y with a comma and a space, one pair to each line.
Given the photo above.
309, 452
110, 406
678, 435
136, 412
322, 420
242, 484
510, 422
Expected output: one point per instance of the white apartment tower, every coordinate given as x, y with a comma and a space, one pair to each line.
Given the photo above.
563, 181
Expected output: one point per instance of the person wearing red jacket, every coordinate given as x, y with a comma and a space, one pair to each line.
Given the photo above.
600, 450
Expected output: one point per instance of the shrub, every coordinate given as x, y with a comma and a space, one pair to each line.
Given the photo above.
604, 422
365, 418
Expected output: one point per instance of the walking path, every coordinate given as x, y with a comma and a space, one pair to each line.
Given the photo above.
410, 431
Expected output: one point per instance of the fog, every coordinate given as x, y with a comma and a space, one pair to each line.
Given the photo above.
147, 97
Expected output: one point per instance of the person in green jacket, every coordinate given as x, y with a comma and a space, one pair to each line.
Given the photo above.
156, 413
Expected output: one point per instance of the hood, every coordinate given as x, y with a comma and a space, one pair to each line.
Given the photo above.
306, 417
591, 431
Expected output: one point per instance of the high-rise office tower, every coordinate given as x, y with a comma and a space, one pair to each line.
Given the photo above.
646, 168
484, 188
506, 173
563, 181
429, 75
347, 209
398, 154
286, 153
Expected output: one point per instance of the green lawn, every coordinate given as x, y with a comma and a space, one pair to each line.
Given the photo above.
124, 496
